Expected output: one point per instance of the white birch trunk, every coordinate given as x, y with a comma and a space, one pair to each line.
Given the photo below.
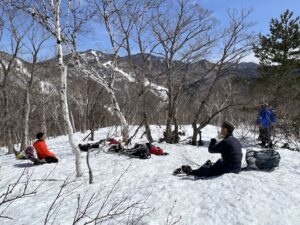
44, 123
26, 112
63, 88
94, 75
117, 110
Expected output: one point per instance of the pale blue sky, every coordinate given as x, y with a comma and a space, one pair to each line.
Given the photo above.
263, 11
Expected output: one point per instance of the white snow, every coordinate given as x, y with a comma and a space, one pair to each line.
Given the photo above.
108, 64
20, 67
159, 90
156, 89
264, 198
46, 87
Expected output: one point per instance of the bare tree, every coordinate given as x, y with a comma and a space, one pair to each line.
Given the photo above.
235, 42
15, 191
12, 26
54, 17
104, 12
36, 39
133, 24
101, 206
185, 35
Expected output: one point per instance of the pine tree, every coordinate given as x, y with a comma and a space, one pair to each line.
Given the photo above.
279, 51
279, 56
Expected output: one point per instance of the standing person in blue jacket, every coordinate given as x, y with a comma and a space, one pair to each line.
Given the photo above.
266, 120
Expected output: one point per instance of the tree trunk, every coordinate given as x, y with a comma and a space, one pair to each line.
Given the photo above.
72, 122
195, 133
65, 111
175, 132
63, 89
168, 133
26, 112
147, 128
44, 123
7, 121
117, 110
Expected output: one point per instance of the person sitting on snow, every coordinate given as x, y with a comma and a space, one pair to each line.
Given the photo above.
42, 149
231, 151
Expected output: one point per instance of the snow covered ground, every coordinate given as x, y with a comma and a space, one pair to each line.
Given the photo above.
246, 198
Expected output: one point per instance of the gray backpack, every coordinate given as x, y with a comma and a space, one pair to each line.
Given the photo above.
262, 160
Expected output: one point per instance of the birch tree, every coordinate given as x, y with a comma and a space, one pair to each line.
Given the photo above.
104, 11
133, 29
53, 16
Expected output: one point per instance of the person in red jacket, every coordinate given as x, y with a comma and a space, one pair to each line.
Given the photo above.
42, 149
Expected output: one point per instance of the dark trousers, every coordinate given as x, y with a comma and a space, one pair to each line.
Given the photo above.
265, 135
51, 160
209, 171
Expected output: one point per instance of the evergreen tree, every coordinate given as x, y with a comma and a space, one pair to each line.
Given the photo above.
279, 56
279, 51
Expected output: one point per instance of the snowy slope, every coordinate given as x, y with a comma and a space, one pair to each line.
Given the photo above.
245, 198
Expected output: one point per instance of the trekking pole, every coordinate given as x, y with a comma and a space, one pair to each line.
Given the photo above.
86, 136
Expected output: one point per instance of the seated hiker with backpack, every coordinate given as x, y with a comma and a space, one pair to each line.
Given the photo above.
231, 151
42, 149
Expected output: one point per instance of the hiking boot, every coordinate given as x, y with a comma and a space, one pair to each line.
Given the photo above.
208, 163
177, 171
186, 169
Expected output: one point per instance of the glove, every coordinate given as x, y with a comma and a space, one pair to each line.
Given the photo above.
213, 141
166, 153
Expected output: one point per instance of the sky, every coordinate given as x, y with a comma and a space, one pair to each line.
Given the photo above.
262, 12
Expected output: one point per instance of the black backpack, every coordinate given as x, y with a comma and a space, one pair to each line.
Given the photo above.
139, 151
262, 160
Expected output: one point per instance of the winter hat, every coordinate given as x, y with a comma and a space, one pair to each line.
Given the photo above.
229, 126
39, 135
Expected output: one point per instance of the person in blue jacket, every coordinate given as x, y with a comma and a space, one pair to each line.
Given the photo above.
265, 120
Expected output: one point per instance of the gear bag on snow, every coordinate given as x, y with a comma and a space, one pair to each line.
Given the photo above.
262, 160
139, 151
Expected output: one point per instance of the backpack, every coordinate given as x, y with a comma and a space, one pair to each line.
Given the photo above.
116, 148
262, 160
139, 151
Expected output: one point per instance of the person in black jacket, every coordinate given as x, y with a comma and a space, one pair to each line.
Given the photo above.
231, 151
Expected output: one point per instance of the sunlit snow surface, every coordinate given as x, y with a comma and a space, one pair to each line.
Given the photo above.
246, 198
